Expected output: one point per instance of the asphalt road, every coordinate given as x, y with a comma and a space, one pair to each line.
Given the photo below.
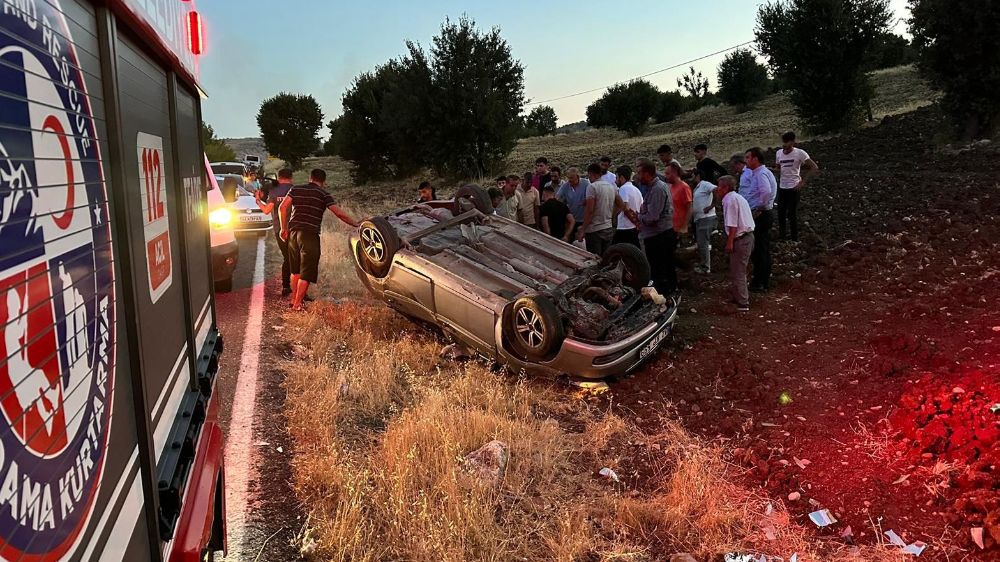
263, 518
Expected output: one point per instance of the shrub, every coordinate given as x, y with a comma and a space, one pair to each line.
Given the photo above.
216, 149
540, 121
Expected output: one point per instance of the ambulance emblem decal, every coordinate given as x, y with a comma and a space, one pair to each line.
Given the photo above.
57, 300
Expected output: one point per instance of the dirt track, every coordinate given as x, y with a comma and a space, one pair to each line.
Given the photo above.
863, 381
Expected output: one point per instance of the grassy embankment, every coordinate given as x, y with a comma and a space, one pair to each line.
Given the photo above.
381, 424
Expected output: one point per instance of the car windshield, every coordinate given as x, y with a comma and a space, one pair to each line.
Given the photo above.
237, 169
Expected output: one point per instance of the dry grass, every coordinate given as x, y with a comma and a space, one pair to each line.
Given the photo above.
380, 428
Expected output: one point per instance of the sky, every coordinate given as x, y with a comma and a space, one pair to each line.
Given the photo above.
257, 48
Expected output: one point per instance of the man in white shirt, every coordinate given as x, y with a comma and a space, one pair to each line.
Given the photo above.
599, 206
790, 160
739, 239
627, 232
705, 221
606, 174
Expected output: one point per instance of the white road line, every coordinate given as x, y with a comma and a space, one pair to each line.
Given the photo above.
240, 451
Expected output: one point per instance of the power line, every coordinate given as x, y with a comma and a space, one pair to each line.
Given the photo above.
676, 66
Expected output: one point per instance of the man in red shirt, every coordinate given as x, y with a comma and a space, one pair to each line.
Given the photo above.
680, 196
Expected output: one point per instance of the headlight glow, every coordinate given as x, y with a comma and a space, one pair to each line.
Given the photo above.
220, 217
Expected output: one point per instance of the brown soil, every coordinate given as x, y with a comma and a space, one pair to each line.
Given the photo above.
864, 380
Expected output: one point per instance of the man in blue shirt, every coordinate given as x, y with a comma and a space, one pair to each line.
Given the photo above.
269, 202
655, 222
574, 194
760, 194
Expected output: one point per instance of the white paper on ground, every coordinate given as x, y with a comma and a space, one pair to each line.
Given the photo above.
977, 537
822, 518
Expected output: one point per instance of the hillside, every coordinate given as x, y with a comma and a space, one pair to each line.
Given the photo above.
897, 90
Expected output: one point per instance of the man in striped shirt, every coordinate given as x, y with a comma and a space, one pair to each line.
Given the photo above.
301, 220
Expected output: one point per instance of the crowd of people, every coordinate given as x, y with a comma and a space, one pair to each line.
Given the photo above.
654, 208
657, 208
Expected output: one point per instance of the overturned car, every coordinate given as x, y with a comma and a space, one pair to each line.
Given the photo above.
513, 293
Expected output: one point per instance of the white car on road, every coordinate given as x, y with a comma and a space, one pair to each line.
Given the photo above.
247, 216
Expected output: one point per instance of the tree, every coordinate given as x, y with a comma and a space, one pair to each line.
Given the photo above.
330, 146
670, 105
290, 126
216, 149
475, 97
890, 50
742, 80
694, 84
627, 107
540, 121
818, 49
958, 50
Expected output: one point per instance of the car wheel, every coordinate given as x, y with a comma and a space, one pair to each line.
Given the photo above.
379, 242
224, 286
533, 327
471, 197
635, 271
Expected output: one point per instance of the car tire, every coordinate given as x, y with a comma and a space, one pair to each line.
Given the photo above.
534, 327
472, 196
636, 273
379, 243
224, 286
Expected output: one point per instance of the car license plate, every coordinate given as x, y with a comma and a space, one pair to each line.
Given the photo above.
251, 218
653, 344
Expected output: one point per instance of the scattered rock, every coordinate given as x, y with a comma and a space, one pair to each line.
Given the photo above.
488, 463
609, 474
794, 497
454, 352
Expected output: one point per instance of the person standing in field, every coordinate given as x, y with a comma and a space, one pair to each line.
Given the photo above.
599, 206
554, 179
556, 219
740, 227
510, 207
530, 202
738, 166
680, 197
270, 202
573, 193
606, 174
425, 192
496, 198
710, 170
666, 155
542, 175
791, 160
655, 220
627, 232
301, 220
704, 219
760, 195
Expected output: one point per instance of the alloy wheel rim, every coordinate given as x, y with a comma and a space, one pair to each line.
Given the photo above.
373, 244
529, 327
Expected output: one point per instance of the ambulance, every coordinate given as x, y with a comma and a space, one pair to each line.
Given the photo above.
110, 447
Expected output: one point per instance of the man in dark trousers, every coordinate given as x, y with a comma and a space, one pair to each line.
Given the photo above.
655, 221
270, 201
760, 195
795, 167
301, 221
